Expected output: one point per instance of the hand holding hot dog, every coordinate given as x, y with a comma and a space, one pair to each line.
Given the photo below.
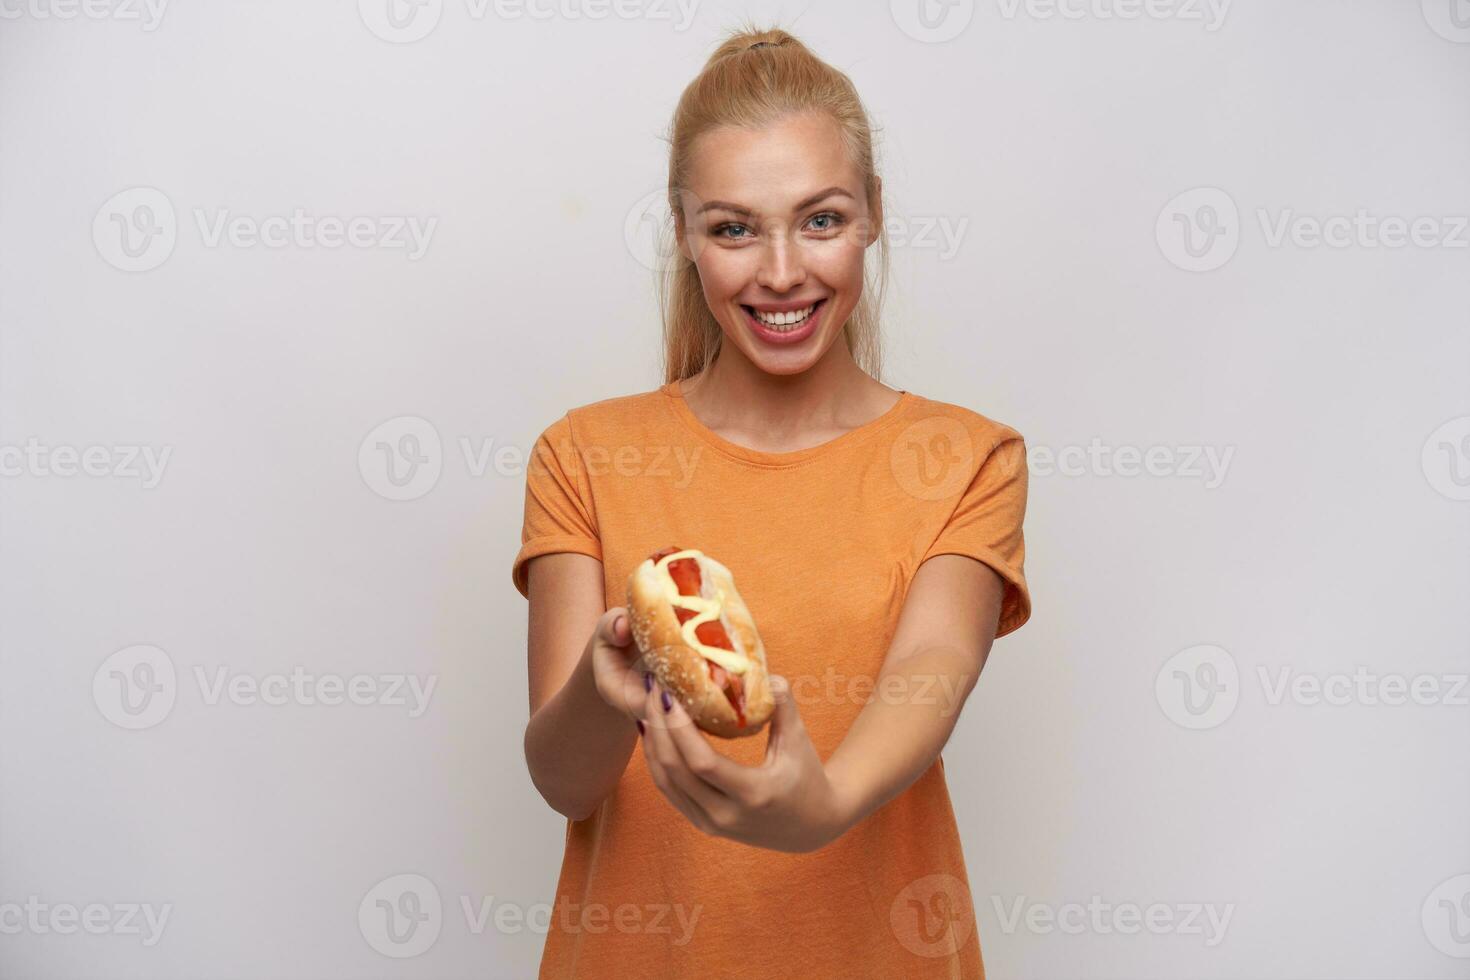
787, 803
615, 663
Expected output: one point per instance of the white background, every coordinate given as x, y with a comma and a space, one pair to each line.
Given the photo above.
1050, 141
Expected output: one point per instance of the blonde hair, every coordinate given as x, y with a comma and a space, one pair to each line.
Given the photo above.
754, 78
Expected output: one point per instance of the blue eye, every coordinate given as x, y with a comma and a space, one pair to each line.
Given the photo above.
832, 218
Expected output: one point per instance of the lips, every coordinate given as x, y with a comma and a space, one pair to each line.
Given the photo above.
794, 335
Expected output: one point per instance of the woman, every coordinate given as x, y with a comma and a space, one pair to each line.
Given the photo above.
874, 534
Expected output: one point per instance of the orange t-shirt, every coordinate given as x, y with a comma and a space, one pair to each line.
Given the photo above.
823, 543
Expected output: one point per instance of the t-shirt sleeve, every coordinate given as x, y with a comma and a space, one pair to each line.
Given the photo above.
557, 515
986, 526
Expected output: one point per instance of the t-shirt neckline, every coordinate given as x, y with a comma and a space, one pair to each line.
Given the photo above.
761, 458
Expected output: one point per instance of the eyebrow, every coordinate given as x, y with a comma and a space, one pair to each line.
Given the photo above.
808, 202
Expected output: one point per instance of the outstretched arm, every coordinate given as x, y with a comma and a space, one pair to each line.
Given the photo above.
794, 802
940, 646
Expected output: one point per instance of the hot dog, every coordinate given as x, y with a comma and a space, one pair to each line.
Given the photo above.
698, 638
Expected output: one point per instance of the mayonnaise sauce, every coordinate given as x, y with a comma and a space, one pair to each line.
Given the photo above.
704, 609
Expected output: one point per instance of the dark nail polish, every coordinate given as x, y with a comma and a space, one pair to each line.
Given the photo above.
648, 682
640, 725
668, 703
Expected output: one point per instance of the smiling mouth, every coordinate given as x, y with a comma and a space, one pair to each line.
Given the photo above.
784, 322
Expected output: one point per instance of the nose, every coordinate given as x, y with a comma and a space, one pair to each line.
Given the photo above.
781, 267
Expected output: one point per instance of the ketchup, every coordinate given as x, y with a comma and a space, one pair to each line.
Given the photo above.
685, 573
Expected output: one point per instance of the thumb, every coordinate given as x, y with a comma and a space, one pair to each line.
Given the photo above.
786, 720
613, 628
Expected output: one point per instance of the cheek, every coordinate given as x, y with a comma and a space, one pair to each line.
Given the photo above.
839, 264
724, 273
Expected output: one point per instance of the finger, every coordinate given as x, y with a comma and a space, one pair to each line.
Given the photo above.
708, 767
613, 629
659, 743
618, 658
660, 774
786, 723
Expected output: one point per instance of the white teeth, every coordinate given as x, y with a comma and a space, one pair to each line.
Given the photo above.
784, 322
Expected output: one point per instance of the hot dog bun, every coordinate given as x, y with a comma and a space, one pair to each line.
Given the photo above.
679, 654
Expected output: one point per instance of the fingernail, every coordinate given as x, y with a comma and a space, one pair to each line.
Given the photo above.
640, 725
668, 702
648, 682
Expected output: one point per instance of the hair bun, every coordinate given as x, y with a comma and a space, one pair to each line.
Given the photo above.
772, 38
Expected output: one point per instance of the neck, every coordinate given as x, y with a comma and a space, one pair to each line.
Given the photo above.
733, 392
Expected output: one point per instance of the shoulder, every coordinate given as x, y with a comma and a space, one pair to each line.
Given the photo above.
983, 432
608, 419
618, 409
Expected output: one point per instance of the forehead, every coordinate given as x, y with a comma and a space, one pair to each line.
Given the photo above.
772, 167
